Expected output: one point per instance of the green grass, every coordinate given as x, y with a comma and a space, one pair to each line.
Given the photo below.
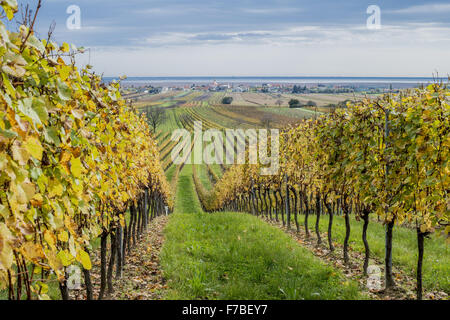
238, 256
222, 121
436, 268
170, 172
293, 113
170, 121
186, 200
217, 169
202, 172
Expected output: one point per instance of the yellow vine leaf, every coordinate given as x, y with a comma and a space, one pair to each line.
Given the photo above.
76, 167
34, 147
6, 253
85, 260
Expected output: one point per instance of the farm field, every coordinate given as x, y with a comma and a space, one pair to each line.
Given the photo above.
281, 100
198, 98
207, 107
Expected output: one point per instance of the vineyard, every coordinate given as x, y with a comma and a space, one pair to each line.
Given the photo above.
386, 158
363, 170
369, 167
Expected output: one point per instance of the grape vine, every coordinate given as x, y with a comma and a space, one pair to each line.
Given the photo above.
388, 157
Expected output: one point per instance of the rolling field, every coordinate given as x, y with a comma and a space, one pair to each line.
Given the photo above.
249, 99
183, 109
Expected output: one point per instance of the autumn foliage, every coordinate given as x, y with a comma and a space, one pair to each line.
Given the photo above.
73, 157
388, 157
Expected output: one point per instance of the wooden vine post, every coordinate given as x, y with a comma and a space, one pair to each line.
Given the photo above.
389, 278
288, 213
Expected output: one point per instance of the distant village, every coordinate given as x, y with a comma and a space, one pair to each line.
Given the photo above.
256, 88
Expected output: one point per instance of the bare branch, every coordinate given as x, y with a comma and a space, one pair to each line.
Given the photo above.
155, 116
30, 29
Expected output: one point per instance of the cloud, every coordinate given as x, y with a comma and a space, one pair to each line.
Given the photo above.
404, 34
269, 11
424, 9
262, 60
231, 36
238, 37
172, 10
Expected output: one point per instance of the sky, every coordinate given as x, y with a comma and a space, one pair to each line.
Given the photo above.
255, 37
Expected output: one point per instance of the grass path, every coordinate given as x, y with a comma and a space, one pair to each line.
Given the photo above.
238, 256
186, 200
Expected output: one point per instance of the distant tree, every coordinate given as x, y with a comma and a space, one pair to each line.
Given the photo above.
311, 104
155, 116
266, 121
227, 100
294, 103
279, 102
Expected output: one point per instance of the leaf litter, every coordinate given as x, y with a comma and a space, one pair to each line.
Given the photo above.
142, 277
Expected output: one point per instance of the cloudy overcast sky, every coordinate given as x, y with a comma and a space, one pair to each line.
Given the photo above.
256, 37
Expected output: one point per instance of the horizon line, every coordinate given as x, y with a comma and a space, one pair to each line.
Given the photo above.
287, 77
